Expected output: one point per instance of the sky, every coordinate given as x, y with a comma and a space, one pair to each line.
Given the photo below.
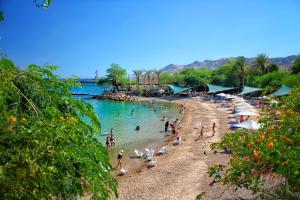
82, 36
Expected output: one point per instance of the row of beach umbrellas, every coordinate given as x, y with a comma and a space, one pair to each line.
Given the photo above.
242, 108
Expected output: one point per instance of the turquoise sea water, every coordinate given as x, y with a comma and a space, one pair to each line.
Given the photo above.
117, 115
88, 88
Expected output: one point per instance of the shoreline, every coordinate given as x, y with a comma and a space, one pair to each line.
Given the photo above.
182, 172
167, 138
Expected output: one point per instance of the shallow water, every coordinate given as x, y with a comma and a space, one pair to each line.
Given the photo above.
117, 115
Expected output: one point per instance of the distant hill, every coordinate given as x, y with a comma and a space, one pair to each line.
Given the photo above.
284, 62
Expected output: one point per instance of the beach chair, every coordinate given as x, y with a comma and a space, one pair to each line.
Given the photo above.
149, 153
163, 150
153, 162
138, 154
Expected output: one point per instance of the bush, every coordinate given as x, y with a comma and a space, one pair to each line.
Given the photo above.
47, 147
271, 151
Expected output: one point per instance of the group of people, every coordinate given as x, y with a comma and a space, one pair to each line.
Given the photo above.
201, 132
174, 126
181, 108
110, 140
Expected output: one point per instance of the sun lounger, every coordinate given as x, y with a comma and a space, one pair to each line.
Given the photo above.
153, 162
148, 154
138, 154
163, 150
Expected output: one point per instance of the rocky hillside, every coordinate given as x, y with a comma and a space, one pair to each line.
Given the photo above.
284, 62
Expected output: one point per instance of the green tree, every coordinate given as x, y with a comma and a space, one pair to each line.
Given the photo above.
196, 77
225, 75
1, 16
148, 76
296, 65
158, 72
272, 79
47, 144
138, 76
116, 75
273, 67
241, 65
166, 78
38, 3
261, 61
291, 80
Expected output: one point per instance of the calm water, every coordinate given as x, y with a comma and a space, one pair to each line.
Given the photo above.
117, 115
88, 88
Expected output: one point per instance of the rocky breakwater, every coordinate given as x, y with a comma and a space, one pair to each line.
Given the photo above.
117, 97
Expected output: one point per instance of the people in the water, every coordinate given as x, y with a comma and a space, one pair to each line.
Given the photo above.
137, 128
107, 142
112, 139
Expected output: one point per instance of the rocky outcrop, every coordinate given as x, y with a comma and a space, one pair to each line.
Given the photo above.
117, 97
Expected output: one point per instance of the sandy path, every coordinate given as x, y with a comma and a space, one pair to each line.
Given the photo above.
182, 173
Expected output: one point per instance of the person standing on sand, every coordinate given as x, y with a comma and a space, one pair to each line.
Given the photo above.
214, 129
167, 126
174, 127
119, 159
202, 132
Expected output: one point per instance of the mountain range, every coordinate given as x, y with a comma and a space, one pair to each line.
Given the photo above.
283, 62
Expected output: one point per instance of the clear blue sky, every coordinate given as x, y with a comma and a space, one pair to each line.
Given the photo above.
81, 36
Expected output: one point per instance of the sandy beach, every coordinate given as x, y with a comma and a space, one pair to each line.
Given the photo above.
182, 173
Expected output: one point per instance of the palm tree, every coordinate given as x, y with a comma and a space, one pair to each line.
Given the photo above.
241, 64
138, 76
262, 60
148, 74
158, 73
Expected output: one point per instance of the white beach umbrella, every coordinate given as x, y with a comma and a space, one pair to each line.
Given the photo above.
229, 96
238, 100
242, 104
250, 124
221, 95
241, 109
247, 113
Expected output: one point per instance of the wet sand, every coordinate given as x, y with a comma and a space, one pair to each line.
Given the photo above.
182, 173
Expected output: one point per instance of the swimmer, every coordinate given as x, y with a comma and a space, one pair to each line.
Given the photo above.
137, 128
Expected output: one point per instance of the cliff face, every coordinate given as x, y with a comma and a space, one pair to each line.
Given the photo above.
284, 62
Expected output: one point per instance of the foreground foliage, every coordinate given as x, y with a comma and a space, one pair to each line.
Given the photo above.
47, 148
267, 161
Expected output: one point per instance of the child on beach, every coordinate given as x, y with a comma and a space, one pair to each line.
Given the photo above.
214, 129
202, 132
